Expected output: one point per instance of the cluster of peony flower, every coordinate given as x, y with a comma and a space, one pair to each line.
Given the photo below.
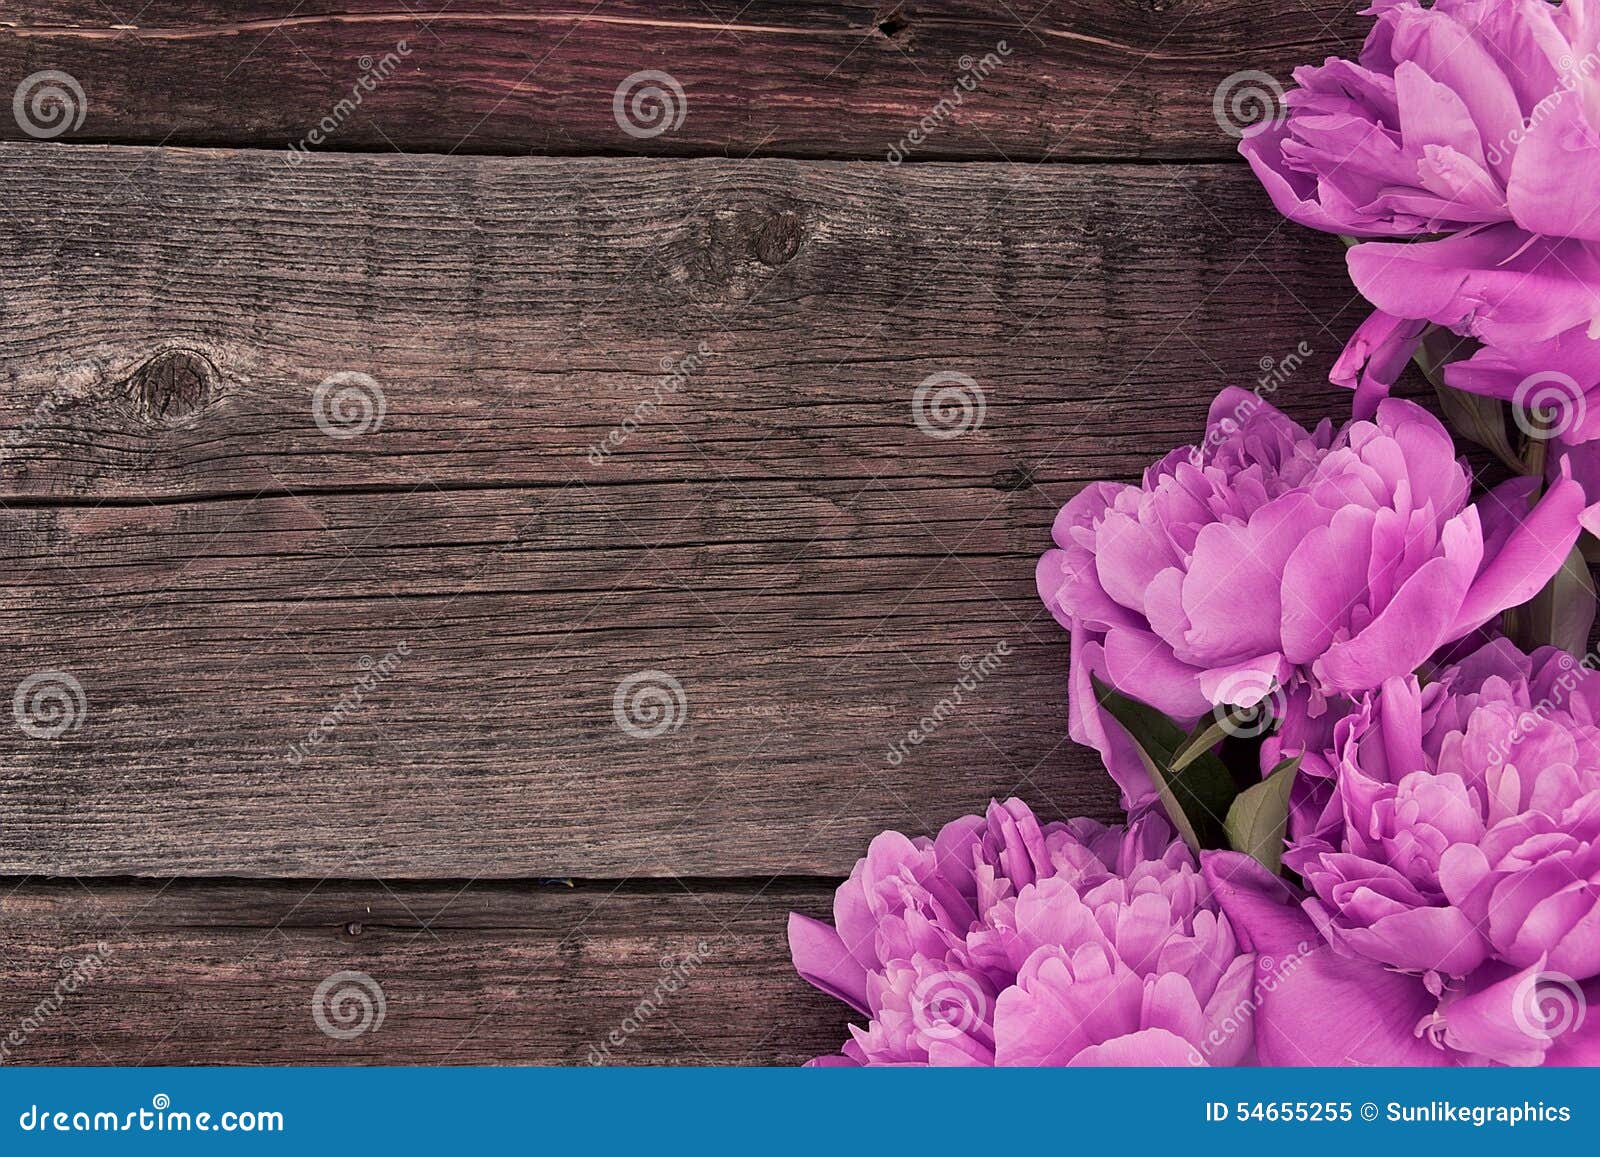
1003, 941
1364, 823
1272, 561
1476, 124
1453, 869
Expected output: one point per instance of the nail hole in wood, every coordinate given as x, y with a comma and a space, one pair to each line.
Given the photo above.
894, 24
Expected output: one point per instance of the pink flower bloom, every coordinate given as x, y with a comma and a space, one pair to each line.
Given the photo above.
1318, 563
1479, 119
1004, 942
1453, 869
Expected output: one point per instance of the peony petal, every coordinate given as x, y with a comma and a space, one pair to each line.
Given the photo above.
1148, 1048
1526, 556
821, 960
1335, 1010
1553, 175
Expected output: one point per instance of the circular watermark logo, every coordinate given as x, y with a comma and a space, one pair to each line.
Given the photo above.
48, 104
1245, 99
348, 405
1547, 1005
1548, 404
48, 704
948, 1005
348, 1004
649, 703
1248, 703
649, 103
948, 404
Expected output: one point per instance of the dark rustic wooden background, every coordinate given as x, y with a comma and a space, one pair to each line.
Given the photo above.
514, 270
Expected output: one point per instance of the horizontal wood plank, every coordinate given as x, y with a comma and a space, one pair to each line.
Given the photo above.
201, 972
777, 534
1100, 78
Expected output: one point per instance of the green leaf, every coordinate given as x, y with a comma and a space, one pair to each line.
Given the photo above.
1202, 739
1259, 816
1157, 735
1195, 795
1473, 416
1562, 614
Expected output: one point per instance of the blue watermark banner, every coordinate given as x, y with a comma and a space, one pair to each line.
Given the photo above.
763, 1111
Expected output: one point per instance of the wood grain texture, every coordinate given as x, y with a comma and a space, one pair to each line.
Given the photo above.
201, 972
1098, 78
779, 536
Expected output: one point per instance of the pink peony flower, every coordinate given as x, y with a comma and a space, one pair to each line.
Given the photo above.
1274, 561
1478, 119
1004, 942
1453, 872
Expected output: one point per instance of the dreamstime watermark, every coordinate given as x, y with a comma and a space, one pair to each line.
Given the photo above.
946, 1005
648, 103
975, 671
373, 73
1548, 404
48, 704
1274, 373
1270, 972
75, 973
675, 974
374, 673
49, 103
649, 703
675, 374
1570, 75
348, 404
349, 1004
1570, 675
1248, 703
1245, 99
1548, 1005
948, 404
973, 74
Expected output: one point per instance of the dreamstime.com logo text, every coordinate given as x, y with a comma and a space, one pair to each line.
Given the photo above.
1270, 973
1559, 687
1274, 372
373, 73
675, 973
973, 73
76, 972
675, 374
375, 673
975, 671
160, 1117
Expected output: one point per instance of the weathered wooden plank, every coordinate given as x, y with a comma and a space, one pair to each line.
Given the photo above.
230, 656
516, 313
208, 973
1100, 78
780, 536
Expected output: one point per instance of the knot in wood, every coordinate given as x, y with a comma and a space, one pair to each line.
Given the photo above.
775, 238
171, 385
1017, 478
